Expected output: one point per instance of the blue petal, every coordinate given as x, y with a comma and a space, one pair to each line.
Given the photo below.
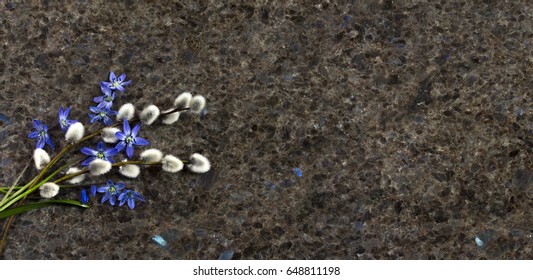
105, 197
120, 146
88, 151
131, 203
119, 87
129, 151
120, 185
112, 76
139, 196
98, 99
139, 141
103, 105
87, 161
122, 77
108, 121
37, 124
93, 190
105, 88
126, 127
84, 196
135, 130
102, 189
112, 200
40, 143
109, 152
33, 134
100, 146
120, 135
95, 109
126, 83
49, 142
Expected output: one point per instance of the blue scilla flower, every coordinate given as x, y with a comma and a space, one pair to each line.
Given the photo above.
117, 83
128, 138
64, 122
105, 100
111, 191
41, 133
101, 152
102, 114
130, 197
84, 197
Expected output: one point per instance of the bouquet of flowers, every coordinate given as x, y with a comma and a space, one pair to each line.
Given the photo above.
98, 151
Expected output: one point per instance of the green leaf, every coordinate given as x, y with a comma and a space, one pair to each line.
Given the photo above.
17, 210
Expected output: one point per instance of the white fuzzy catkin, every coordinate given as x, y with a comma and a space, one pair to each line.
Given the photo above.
41, 158
171, 164
130, 170
183, 100
149, 114
126, 111
77, 179
48, 190
170, 118
152, 155
99, 166
75, 132
109, 134
197, 104
199, 164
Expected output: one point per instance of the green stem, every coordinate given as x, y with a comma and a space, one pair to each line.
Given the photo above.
23, 192
36, 205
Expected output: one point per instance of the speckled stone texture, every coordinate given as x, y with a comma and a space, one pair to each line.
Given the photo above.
411, 122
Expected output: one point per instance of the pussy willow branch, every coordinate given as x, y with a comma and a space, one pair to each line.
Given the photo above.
36, 182
117, 164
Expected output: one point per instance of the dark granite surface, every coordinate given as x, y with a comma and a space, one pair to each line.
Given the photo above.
411, 122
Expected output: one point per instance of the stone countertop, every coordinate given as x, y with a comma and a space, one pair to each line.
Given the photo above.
410, 121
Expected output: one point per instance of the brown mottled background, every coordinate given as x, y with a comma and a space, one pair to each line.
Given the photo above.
411, 122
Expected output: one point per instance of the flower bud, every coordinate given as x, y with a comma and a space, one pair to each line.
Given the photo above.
41, 158
199, 164
149, 114
108, 134
77, 179
170, 118
99, 167
129, 170
126, 111
75, 132
48, 190
183, 100
197, 104
171, 164
152, 155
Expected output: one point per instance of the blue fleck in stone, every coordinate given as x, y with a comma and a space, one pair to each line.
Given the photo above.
479, 242
4, 120
483, 237
359, 226
297, 171
226, 255
160, 240
270, 185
